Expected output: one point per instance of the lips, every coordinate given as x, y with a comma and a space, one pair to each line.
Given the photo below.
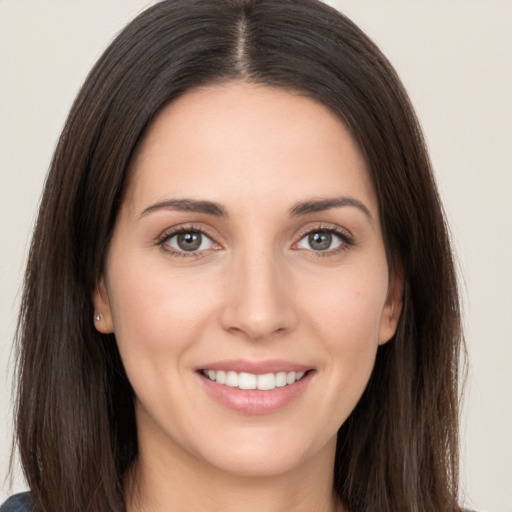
251, 387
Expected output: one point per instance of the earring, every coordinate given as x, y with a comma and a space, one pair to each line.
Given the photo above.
98, 317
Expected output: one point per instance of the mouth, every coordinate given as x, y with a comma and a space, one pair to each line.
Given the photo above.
249, 387
250, 381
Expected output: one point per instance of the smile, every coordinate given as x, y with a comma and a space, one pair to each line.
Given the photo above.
244, 380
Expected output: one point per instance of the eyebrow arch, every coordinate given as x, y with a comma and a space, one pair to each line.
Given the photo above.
187, 205
319, 205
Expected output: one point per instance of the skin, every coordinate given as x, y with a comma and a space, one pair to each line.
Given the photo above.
257, 289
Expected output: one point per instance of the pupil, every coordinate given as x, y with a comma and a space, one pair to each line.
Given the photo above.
189, 241
320, 240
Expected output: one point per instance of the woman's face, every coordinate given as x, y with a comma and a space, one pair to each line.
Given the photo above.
246, 281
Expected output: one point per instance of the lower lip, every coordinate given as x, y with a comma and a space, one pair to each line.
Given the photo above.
253, 401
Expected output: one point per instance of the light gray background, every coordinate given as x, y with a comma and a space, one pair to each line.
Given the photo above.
454, 57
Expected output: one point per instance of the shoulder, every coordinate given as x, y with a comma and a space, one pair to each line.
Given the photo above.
17, 503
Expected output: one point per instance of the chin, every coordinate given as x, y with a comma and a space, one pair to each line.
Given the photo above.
261, 465
266, 457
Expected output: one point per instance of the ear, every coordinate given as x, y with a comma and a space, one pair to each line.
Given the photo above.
393, 305
102, 310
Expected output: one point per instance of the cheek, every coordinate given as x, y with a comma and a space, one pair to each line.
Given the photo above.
345, 316
351, 339
158, 313
347, 305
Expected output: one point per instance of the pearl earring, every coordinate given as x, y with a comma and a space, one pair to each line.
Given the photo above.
98, 317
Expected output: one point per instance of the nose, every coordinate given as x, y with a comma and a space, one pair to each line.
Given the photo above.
259, 301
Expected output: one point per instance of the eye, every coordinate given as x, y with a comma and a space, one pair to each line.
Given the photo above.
323, 240
189, 241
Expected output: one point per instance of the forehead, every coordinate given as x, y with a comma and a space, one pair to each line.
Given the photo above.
247, 141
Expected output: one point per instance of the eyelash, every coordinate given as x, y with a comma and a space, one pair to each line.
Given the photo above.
167, 235
345, 238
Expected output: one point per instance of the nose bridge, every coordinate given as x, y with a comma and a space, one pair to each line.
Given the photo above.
259, 301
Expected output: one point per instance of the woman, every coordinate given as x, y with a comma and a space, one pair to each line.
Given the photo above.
240, 290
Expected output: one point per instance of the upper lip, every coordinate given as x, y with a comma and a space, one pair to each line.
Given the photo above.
256, 367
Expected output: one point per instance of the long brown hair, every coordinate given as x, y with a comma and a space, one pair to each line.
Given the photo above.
76, 429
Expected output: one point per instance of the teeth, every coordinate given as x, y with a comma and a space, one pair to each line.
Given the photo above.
247, 381
244, 380
267, 381
232, 379
280, 379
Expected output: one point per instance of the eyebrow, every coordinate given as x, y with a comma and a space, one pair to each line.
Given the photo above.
319, 205
187, 205
217, 210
